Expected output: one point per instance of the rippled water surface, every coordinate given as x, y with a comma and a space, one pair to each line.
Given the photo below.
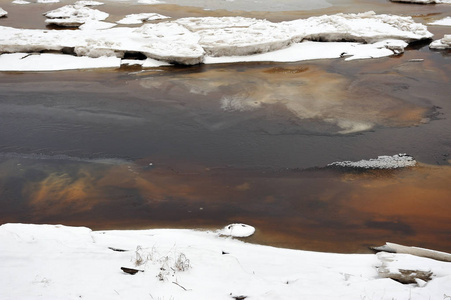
204, 146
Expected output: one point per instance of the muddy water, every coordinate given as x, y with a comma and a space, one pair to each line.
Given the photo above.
204, 146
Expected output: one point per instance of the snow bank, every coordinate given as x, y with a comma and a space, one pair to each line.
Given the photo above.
443, 22
190, 40
442, 44
140, 18
59, 262
237, 230
3, 12
382, 162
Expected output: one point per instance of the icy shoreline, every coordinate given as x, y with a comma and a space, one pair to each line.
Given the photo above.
59, 262
190, 41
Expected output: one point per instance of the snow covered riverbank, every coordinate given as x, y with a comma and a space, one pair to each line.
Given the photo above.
59, 262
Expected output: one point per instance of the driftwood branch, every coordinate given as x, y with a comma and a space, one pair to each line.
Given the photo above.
422, 252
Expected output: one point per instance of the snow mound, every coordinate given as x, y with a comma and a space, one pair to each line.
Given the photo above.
442, 44
443, 22
237, 230
382, 162
3, 12
74, 15
140, 18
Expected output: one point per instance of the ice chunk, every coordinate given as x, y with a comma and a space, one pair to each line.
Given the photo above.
424, 1
237, 230
3, 12
443, 22
140, 18
95, 25
382, 162
47, 1
442, 44
21, 2
365, 27
74, 15
88, 3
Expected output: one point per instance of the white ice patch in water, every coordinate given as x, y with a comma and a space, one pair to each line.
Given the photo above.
47, 1
96, 25
443, 22
442, 44
88, 3
3, 12
140, 18
382, 162
237, 230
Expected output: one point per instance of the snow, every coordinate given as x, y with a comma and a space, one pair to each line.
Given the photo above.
60, 262
21, 2
443, 22
3, 12
140, 18
74, 15
442, 44
47, 1
382, 162
237, 230
53, 62
218, 39
88, 3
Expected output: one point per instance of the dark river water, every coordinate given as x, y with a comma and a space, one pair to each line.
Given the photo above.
204, 146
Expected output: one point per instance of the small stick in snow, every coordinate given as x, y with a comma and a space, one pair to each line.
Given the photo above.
180, 286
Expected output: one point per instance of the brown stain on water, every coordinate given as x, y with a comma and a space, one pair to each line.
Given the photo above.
323, 210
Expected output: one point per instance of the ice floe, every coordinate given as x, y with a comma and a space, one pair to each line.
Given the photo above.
382, 162
74, 15
3, 12
21, 2
443, 22
134, 19
60, 262
424, 1
442, 44
237, 230
213, 40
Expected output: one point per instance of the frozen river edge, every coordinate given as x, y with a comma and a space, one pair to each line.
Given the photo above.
190, 41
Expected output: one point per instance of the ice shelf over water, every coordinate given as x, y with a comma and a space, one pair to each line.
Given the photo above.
382, 162
194, 40
60, 262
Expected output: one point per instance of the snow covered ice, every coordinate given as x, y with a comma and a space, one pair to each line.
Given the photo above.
217, 39
3, 12
424, 1
443, 22
237, 230
442, 44
59, 262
